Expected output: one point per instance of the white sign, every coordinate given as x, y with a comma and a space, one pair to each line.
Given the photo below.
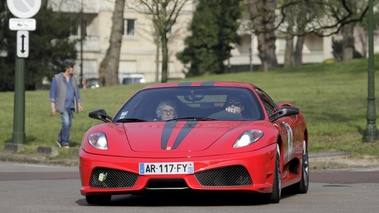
22, 24
22, 44
24, 8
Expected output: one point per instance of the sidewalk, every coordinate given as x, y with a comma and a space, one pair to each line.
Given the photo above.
341, 160
324, 160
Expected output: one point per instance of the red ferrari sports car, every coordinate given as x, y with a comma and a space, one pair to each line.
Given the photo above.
196, 136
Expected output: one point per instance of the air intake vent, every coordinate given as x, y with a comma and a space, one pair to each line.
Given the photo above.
226, 176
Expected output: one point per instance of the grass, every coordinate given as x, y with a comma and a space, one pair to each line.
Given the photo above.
332, 97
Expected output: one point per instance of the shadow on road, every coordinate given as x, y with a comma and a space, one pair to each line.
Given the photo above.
190, 199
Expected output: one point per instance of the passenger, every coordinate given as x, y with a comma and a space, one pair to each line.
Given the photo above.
166, 111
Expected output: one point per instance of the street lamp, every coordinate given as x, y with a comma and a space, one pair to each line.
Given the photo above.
371, 132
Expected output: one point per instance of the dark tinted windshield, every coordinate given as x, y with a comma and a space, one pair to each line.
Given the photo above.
132, 80
202, 103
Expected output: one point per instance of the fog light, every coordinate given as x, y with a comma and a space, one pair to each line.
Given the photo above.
102, 177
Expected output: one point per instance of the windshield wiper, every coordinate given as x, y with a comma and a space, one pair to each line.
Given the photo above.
193, 118
126, 120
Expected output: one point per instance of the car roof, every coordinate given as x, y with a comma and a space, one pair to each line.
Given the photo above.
202, 83
133, 75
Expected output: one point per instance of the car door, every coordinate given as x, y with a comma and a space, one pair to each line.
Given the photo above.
285, 125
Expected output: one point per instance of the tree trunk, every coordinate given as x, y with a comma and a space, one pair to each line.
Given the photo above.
266, 48
347, 32
298, 53
108, 70
288, 55
164, 41
364, 42
164, 60
157, 63
263, 18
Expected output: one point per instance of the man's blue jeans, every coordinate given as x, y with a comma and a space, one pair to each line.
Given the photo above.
64, 135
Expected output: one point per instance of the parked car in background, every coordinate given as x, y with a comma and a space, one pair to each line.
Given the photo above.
133, 79
44, 84
91, 83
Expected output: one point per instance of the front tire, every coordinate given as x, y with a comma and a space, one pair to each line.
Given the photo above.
303, 185
275, 195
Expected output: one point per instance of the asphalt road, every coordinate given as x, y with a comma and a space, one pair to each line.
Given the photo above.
39, 188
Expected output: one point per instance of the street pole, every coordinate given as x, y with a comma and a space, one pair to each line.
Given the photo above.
19, 103
23, 10
371, 132
81, 44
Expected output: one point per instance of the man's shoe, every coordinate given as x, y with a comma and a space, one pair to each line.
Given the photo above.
58, 143
65, 145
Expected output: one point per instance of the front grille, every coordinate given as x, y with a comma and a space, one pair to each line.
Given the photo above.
166, 184
111, 178
226, 176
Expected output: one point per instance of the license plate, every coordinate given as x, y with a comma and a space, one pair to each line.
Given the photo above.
166, 168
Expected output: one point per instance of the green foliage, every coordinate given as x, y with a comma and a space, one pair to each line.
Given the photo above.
49, 45
375, 19
332, 97
338, 50
7, 74
214, 30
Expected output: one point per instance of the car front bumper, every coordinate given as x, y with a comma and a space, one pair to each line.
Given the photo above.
248, 171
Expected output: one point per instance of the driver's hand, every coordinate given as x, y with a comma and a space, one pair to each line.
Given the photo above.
232, 109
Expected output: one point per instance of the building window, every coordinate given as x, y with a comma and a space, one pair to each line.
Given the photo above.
83, 29
129, 27
79, 29
74, 29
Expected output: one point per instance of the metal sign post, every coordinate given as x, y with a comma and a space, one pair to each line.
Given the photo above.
371, 133
23, 10
18, 136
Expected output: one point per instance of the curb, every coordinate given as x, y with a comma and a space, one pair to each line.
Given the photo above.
44, 155
341, 160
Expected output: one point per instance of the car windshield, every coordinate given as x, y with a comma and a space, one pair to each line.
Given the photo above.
93, 82
190, 103
133, 80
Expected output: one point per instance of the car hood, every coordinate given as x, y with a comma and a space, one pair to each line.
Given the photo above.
185, 136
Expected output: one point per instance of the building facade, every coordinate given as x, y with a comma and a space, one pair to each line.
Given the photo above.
139, 53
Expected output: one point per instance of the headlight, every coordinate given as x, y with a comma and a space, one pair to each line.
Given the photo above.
98, 140
247, 138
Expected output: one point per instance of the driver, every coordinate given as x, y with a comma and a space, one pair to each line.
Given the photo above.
234, 105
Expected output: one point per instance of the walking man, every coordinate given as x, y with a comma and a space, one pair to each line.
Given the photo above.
65, 98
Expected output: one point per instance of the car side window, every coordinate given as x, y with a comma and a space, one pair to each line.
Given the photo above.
268, 103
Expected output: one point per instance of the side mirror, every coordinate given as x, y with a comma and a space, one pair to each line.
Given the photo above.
100, 114
284, 111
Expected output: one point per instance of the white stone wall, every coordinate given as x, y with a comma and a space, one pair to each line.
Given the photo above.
138, 52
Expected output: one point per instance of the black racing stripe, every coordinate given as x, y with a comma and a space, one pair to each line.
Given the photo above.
208, 83
167, 130
184, 132
184, 84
